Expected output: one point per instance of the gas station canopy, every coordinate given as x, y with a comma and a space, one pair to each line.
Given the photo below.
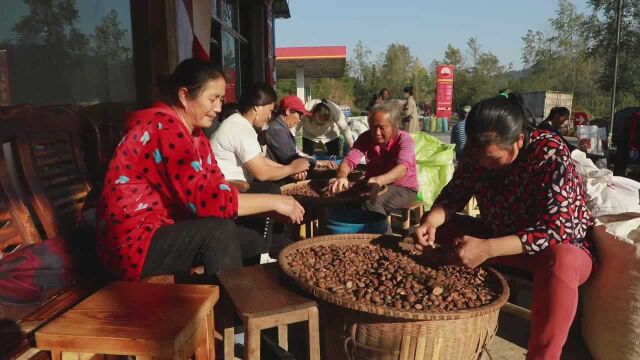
314, 62
310, 62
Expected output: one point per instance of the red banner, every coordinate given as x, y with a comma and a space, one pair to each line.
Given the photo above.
230, 90
5, 88
444, 91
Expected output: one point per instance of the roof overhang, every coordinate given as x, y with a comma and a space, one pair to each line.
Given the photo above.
317, 62
281, 9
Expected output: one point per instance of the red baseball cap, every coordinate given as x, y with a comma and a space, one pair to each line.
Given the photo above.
294, 103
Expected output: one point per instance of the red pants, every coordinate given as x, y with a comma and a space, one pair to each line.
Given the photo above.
557, 272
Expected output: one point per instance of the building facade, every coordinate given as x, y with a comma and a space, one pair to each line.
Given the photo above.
89, 52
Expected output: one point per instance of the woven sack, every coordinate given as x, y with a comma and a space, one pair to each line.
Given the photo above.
611, 313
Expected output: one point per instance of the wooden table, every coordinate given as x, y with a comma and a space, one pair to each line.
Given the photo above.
262, 302
141, 319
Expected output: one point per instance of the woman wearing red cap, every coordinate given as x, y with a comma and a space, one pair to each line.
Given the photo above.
281, 143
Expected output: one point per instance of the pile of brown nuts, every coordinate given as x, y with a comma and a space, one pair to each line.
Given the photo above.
320, 189
324, 167
374, 275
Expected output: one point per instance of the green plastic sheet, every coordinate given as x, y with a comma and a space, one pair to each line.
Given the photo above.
434, 162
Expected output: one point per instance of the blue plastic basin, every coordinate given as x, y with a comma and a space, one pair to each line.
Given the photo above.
356, 221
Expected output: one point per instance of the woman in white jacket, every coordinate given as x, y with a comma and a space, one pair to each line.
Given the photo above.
324, 126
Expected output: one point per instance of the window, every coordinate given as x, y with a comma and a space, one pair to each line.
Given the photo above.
66, 52
226, 41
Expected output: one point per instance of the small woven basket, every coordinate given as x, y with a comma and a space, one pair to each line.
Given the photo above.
356, 330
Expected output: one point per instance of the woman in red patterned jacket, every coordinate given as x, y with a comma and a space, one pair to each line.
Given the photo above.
166, 206
533, 214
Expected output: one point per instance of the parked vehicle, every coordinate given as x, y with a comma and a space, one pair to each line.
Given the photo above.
540, 103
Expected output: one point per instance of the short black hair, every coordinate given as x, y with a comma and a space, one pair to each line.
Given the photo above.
322, 111
192, 74
498, 120
408, 89
560, 111
258, 94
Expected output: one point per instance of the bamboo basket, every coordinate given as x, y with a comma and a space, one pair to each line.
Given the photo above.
355, 330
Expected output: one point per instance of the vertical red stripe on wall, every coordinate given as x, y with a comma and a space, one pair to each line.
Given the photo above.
198, 50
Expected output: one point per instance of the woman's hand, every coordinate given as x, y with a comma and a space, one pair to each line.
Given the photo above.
299, 176
299, 165
328, 163
425, 234
375, 181
339, 184
290, 208
473, 251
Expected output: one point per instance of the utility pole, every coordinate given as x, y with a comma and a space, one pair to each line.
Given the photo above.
615, 69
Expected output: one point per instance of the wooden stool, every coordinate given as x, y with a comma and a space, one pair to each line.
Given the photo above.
171, 278
405, 214
141, 319
262, 302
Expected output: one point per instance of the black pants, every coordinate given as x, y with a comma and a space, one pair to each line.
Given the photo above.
216, 243
333, 147
273, 234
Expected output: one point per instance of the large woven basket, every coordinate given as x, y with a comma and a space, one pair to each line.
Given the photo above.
354, 330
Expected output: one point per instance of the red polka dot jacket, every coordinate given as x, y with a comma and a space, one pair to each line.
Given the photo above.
539, 197
160, 174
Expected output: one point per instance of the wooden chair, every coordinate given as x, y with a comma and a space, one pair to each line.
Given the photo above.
18, 229
47, 141
16, 226
23, 223
140, 319
262, 302
102, 130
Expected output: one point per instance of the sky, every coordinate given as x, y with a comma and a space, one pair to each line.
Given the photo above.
425, 26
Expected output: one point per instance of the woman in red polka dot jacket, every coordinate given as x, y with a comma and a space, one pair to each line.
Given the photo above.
532, 214
165, 206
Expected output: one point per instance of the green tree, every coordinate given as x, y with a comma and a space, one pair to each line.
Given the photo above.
48, 31
51, 23
453, 56
560, 60
601, 30
396, 68
365, 73
481, 78
475, 53
109, 40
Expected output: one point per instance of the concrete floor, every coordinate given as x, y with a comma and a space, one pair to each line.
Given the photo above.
511, 341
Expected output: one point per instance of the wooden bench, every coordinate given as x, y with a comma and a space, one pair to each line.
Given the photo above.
140, 319
262, 302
